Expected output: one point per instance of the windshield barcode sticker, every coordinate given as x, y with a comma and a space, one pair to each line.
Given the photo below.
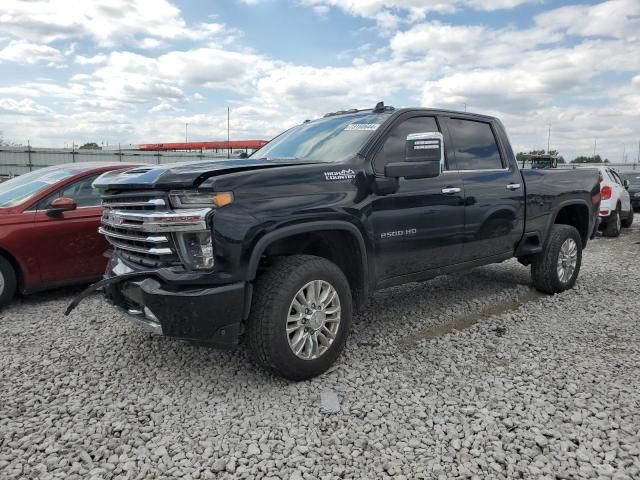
362, 126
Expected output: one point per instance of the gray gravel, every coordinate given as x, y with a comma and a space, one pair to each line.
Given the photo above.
470, 376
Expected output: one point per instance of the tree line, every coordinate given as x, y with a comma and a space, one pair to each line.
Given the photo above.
523, 156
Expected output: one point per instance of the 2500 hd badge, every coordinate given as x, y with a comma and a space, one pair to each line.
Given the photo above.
399, 233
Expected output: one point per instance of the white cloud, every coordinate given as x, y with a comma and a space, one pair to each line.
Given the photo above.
9, 106
95, 60
575, 67
163, 107
107, 22
387, 13
21, 51
614, 18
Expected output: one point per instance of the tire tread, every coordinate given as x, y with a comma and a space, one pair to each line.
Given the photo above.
544, 266
263, 326
10, 281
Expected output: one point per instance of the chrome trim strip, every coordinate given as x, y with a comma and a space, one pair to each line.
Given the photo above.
126, 226
122, 236
142, 322
131, 248
154, 202
153, 221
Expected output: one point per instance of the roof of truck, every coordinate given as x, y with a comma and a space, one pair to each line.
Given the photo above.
381, 108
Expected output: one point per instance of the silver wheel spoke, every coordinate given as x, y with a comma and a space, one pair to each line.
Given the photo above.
327, 333
332, 310
314, 320
567, 260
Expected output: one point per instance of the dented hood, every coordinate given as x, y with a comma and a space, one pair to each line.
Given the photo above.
184, 174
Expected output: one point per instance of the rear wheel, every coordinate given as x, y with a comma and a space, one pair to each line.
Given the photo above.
556, 268
7, 281
614, 224
627, 222
300, 316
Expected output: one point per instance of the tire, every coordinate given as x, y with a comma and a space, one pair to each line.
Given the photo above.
272, 311
614, 224
7, 282
627, 222
545, 265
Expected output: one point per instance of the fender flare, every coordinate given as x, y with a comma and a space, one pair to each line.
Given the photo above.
306, 227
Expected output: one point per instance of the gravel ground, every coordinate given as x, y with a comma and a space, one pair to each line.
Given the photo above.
469, 376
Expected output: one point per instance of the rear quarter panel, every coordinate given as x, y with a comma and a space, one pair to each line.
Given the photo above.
549, 190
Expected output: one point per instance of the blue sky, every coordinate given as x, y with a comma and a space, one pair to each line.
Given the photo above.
135, 71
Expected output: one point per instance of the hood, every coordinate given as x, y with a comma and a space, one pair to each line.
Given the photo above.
184, 175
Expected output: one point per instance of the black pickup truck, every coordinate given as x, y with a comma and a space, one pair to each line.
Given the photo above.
280, 247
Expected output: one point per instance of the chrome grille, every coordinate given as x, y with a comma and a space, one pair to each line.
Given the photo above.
140, 227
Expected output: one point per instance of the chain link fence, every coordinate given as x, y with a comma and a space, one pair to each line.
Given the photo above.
19, 160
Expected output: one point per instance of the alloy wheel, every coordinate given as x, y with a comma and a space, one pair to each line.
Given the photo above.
567, 260
313, 320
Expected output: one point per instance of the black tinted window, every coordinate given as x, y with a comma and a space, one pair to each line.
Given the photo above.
474, 145
394, 146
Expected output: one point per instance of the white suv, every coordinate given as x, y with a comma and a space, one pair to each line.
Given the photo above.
615, 203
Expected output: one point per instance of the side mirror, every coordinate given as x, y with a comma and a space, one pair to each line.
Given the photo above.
626, 183
243, 155
60, 205
424, 157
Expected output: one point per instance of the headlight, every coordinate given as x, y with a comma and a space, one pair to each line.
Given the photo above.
186, 199
196, 249
637, 194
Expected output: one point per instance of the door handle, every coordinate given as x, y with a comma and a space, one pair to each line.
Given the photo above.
450, 190
513, 186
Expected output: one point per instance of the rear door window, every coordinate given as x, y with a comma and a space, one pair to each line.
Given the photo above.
474, 145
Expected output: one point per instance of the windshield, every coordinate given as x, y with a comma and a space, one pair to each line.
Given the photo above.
331, 139
20, 189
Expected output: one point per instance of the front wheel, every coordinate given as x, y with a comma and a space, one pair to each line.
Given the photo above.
7, 282
556, 268
300, 316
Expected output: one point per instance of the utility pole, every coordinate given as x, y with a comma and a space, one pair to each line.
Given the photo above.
595, 143
465, 107
29, 155
186, 130
228, 132
548, 138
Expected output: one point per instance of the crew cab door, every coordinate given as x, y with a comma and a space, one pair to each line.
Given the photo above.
420, 226
494, 188
70, 247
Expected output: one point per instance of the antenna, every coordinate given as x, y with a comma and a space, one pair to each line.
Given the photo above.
379, 108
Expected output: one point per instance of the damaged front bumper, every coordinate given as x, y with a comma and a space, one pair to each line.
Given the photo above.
205, 314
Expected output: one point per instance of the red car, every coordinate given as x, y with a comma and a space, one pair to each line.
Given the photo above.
49, 222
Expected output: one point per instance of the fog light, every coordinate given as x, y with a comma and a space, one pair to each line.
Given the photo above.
196, 249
